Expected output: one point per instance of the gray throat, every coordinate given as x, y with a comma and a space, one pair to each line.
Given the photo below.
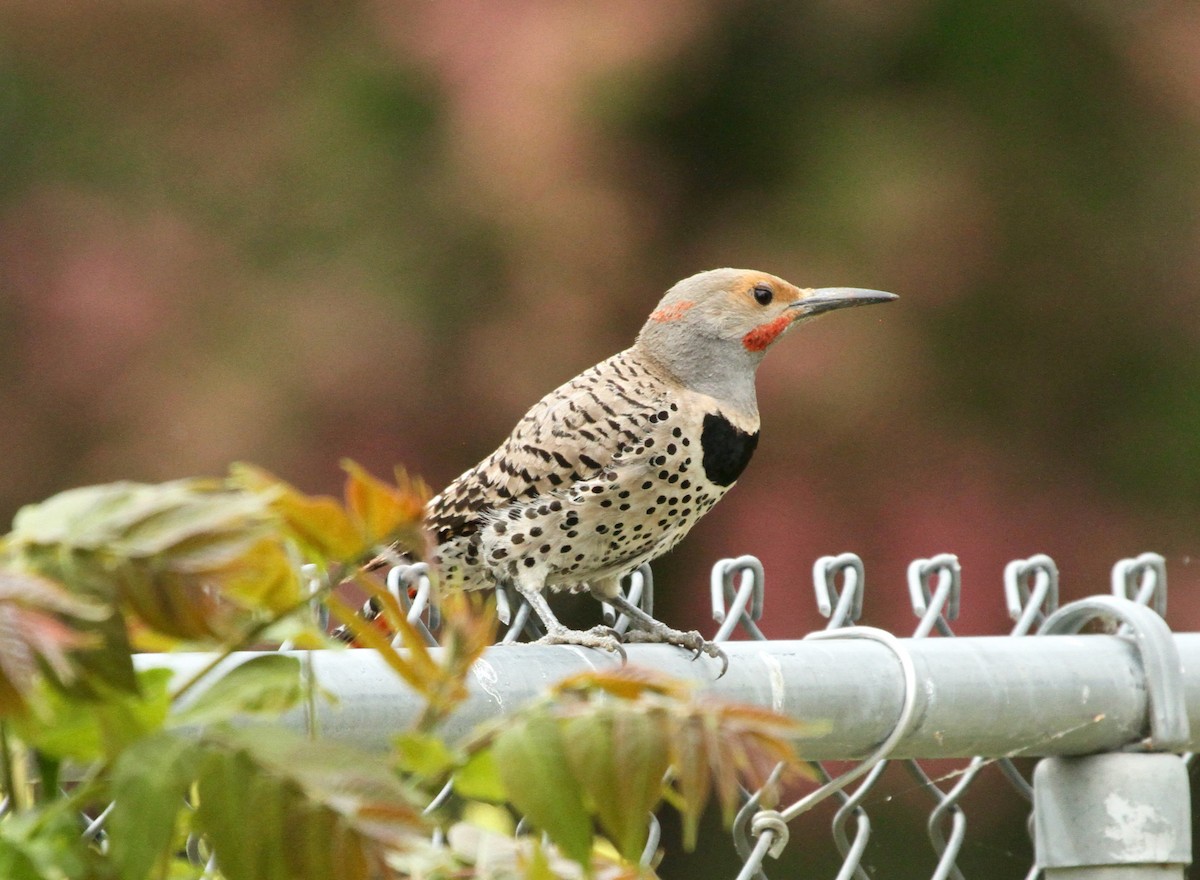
723, 370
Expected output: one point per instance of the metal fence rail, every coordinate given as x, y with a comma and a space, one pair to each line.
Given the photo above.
988, 696
1114, 717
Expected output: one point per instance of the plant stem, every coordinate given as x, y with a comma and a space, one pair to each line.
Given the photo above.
7, 777
310, 694
48, 774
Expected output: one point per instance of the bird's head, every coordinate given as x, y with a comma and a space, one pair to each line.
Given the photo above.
723, 321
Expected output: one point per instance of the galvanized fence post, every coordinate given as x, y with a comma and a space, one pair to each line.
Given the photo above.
1119, 816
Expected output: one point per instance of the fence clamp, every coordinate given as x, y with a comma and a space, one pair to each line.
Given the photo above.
1152, 639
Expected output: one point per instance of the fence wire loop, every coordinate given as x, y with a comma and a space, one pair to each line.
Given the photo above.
438, 799
1151, 637
935, 606
413, 589
1030, 591
904, 721
852, 853
639, 591
947, 846
745, 602
94, 830
314, 580
515, 623
770, 826
752, 861
843, 607
1142, 579
771, 822
653, 838
744, 828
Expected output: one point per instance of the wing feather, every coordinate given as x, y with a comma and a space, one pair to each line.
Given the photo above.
573, 434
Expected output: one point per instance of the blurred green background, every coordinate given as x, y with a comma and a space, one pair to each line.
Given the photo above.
291, 232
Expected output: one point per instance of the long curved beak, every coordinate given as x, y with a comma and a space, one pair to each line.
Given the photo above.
826, 299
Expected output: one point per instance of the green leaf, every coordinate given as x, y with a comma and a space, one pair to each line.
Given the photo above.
88, 729
16, 862
269, 684
424, 754
479, 778
149, 781
202, 529
234, 797
141, 520
319, 809
183, 556
89, 516
44, 844
693, 773
620, 759
538, 779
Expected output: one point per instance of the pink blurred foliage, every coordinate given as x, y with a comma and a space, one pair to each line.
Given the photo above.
93, 287
154, 339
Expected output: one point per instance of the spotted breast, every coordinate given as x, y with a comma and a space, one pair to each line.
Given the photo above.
606, 472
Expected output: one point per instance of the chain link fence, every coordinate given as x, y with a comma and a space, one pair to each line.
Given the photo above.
1109, 715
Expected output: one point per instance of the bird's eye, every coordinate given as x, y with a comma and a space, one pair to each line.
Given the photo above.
763, 294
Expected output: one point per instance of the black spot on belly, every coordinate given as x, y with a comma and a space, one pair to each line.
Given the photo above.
727, 449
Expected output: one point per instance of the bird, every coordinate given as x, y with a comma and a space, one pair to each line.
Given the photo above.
613, 468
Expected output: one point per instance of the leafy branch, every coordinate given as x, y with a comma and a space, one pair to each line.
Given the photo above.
610, 747
93, 573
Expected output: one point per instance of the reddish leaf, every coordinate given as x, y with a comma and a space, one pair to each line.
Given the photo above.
627, 682
318, 523
418, 668
34, 614
384, 514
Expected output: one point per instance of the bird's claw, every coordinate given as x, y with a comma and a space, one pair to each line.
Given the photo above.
692, 641
720, 655
601, 637
714, 651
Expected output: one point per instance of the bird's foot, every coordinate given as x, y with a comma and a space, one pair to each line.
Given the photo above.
597, 637
692, 641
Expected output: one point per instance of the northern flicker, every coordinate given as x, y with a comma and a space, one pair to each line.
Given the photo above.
613, 468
